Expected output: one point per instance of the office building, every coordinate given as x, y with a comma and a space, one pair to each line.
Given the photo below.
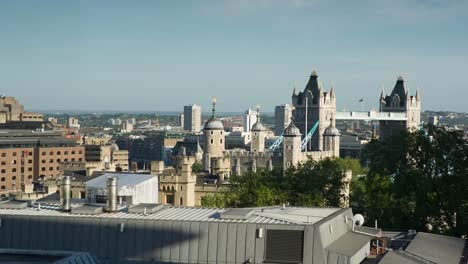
180, 120
26, 156
13, 116
73, 123
127, 127
283, 114
249, 119
192, 118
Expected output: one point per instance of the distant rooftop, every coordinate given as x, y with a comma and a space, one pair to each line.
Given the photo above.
124, 179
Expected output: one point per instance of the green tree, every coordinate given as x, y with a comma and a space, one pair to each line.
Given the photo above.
197, 167
310, 184
417, 181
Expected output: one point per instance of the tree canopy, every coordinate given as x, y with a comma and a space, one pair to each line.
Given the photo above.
310, 184
416, 181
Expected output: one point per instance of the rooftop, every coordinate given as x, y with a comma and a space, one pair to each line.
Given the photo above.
267, 215
124, 179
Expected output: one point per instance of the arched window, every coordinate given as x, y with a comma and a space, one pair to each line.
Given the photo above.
181, 201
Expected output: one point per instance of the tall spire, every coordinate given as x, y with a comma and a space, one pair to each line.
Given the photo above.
214, 106
314, 73
382, 94
295, 89
258, 113
332, 89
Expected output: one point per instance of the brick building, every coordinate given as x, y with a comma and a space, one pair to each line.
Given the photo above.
26, 156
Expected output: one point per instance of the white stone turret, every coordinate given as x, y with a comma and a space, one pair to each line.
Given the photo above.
331, 139
214, 139
291, 146
257, 143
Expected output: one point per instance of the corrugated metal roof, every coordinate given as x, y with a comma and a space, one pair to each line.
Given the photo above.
270, 215
45, 256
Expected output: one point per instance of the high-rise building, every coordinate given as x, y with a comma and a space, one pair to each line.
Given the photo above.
283, 114
180, 120
127, 127
249, 119
73, 123
192, 118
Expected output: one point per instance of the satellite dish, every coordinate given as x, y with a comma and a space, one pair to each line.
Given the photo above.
358, 219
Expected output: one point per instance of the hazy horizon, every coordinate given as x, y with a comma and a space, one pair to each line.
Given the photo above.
148, 55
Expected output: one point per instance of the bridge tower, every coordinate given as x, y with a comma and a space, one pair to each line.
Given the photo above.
400, 101
320, 105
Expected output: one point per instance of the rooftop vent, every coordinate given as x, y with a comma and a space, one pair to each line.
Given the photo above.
87, 209
237, 214
13, 204
146, 208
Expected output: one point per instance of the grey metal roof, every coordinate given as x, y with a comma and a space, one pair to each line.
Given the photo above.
45, 256
270, 215
394, 257
428, 248
437, 248
213, 124
349, 244
124, 179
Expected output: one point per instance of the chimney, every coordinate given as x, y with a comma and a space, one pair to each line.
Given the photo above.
65, 191
111, 194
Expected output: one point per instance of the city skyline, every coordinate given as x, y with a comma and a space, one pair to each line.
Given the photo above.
154, 56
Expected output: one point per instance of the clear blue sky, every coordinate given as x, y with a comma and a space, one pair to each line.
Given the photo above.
160, 55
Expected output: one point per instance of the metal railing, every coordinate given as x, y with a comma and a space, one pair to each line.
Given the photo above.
371, 116
414, 257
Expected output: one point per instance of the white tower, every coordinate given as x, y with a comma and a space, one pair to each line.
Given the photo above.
258, 135
291, 146
214, 138
331, 139
249, 119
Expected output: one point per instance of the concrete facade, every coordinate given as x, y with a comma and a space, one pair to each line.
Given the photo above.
192, 118
283, 114
12, 111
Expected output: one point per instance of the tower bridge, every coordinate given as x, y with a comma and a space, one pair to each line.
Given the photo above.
398, 111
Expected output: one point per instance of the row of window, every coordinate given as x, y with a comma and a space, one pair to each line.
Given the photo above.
60, 153
14, 170
220, 141
167, 188
2, 179
27, 153
59, 160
